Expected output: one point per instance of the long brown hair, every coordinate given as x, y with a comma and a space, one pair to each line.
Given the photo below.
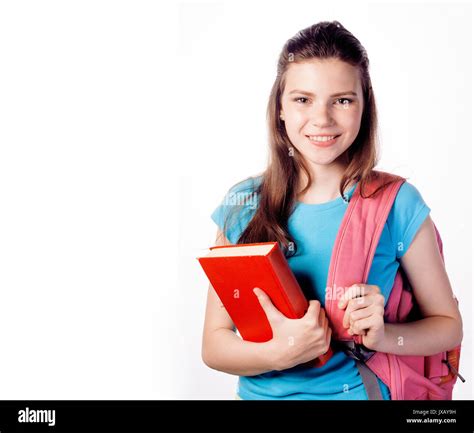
277, 191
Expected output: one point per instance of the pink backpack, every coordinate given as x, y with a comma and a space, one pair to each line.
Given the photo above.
407, 377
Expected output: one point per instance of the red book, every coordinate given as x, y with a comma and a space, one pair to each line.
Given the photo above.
235, 270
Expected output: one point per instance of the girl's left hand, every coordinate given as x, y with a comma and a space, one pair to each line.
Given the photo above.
364, 313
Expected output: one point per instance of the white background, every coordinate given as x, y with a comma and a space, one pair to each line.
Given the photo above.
122, 126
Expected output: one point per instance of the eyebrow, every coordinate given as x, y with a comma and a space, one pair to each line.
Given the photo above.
349, 92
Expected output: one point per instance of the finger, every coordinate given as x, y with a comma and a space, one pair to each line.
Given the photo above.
314, 305
314, 308
375, 302
357, 291
353, 305
360, 327
270, 310
354, 291
322, 319
362, 313
351, 332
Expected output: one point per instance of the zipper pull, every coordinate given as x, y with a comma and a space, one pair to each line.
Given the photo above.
453, 370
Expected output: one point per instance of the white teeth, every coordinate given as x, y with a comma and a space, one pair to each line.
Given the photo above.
318, 138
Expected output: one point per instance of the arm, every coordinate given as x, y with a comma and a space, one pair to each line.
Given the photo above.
225, 351
441, 326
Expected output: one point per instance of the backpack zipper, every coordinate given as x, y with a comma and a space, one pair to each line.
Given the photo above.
451, 367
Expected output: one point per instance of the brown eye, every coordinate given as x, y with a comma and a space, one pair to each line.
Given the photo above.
349, 101
300, 100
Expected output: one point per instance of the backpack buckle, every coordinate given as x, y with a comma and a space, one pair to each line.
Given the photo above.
356, 351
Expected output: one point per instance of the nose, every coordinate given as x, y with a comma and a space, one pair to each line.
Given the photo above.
320, 116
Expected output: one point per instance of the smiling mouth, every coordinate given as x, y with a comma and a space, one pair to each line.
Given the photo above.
322, 139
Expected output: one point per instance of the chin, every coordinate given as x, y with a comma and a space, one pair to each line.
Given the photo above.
322, 156
321, 161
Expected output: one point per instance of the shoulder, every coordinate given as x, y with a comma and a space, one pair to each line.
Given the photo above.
408, 196
244, 192
237, 207
406, 216
249, 184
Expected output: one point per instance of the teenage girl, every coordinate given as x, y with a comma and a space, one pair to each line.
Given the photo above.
322, 132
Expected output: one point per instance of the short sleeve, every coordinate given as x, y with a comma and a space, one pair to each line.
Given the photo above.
238, 207
408, 213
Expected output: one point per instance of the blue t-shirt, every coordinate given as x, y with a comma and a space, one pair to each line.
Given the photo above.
314, 228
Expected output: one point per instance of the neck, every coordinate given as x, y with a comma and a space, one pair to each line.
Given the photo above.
325, 183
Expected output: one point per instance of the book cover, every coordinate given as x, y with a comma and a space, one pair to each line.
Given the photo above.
235, 270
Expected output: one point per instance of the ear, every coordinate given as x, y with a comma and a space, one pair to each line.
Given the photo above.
281, 116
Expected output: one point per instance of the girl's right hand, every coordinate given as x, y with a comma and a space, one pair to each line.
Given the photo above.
296, 341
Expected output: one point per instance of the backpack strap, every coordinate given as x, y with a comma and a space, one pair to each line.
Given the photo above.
351, 260
369, 379
355, 244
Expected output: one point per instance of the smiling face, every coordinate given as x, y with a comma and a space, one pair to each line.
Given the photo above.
322, 97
